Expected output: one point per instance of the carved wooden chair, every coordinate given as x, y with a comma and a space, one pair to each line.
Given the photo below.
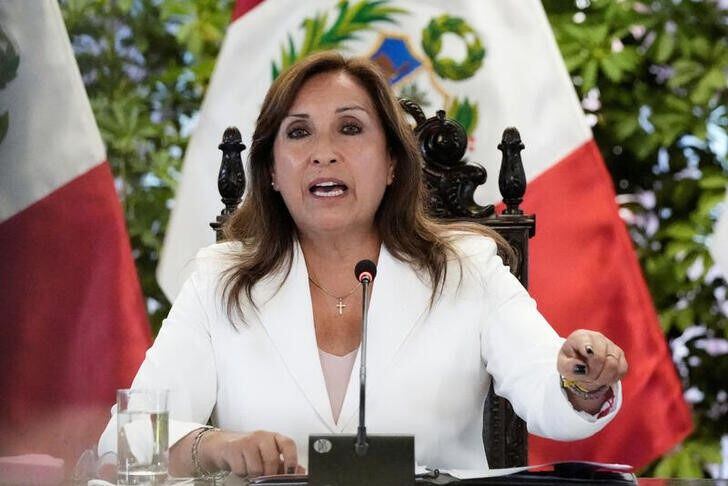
451, 183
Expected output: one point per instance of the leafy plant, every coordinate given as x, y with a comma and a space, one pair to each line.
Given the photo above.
687, 461
145, 64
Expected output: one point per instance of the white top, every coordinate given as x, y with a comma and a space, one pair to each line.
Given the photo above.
428, 368
337, 371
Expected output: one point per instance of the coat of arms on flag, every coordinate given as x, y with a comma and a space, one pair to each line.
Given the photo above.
414, 72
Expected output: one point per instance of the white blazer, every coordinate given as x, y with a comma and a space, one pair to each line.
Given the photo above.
429, 369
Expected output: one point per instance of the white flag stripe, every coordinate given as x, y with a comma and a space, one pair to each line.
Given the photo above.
64, 141
523, 82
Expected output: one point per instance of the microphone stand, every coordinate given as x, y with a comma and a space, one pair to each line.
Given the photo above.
361, 446
384, 460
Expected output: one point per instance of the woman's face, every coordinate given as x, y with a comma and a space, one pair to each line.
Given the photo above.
331, 162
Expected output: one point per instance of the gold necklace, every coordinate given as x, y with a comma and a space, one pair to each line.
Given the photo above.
340, 306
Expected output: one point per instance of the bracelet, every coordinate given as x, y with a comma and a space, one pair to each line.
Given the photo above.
582, 392
199, 470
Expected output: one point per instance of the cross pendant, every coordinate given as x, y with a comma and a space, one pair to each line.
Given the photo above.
341, 306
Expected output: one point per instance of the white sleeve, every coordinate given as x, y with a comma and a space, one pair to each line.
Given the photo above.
182, 361
520, 350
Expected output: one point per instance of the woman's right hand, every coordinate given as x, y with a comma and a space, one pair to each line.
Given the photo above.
249, 454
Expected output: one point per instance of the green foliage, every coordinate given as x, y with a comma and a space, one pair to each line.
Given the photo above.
686, 461
318, 37
465, 112
413, 92
9, 60
653, 76
446, 67
9, 63
4, 124
146, 64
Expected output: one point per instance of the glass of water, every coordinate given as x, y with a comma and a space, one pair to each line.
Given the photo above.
142, 436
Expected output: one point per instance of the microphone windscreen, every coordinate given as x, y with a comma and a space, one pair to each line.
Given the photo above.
365, 269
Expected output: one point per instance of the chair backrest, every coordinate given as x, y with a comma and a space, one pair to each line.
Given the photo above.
451, 184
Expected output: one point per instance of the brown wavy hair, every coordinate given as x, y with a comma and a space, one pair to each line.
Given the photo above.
265, 228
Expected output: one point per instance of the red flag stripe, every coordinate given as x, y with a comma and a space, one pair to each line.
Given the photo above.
74, 322
598, 285
243, 6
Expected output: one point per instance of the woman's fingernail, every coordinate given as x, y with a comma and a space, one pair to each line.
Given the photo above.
580, 369
291, 470
589, 350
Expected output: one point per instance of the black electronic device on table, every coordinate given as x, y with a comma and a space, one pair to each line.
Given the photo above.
361, 459
389, 460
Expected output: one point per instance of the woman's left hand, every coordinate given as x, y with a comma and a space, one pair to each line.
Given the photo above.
591, 361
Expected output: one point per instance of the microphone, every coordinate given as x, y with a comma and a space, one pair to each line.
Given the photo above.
365, 271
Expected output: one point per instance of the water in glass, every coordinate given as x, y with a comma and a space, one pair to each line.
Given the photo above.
142, 442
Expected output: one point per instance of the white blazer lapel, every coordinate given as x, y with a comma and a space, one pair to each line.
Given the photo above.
288, 320
399, 301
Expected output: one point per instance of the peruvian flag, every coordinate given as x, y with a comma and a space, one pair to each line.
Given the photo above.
490, 65
74, 324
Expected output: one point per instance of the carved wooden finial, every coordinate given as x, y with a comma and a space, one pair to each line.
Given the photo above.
443, 141
414, 110
450, 181
512, 178
231, 178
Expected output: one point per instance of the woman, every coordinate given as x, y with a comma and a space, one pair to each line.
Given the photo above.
264, 336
